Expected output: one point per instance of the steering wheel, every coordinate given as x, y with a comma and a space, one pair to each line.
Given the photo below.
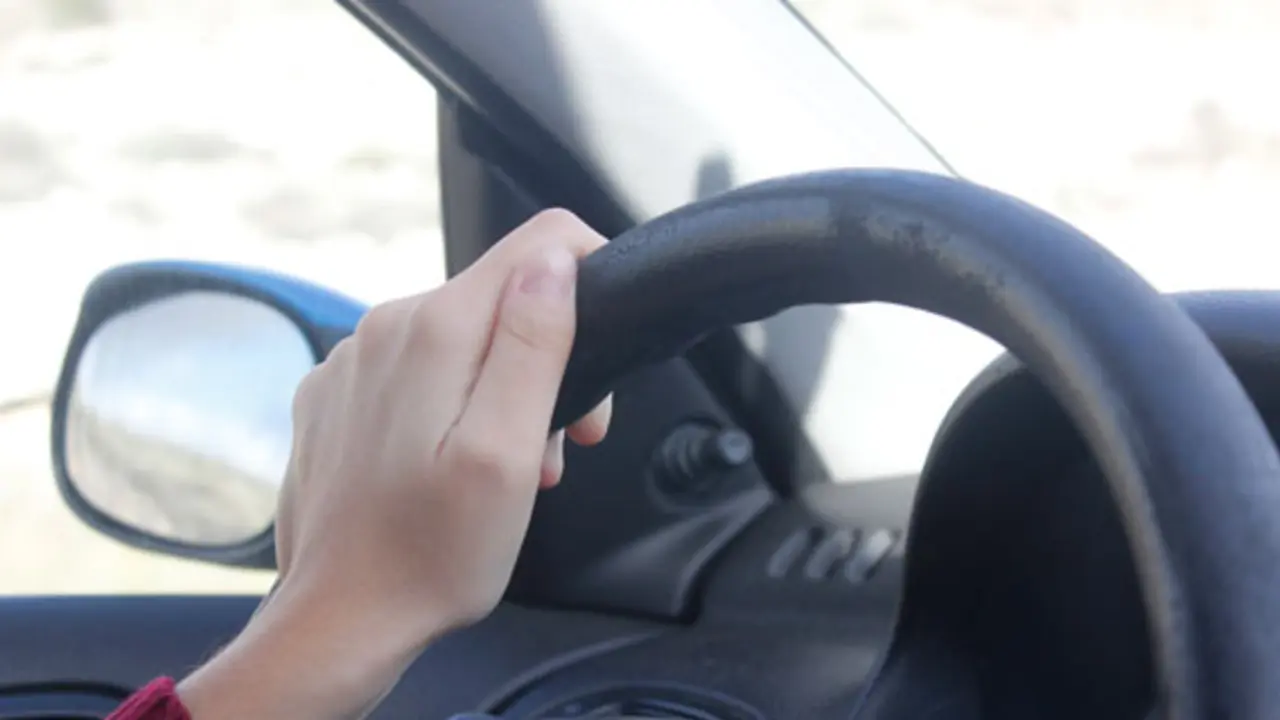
1188, 462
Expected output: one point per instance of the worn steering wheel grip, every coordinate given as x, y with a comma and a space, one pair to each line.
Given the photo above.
1187, 459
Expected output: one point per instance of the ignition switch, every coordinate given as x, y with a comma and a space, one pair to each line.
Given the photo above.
696, 455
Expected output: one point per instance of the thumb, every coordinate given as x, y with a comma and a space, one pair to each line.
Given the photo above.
516, 387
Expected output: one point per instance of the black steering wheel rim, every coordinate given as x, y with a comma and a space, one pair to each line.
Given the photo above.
1187, 459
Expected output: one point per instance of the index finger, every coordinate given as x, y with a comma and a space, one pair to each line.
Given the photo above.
553, 226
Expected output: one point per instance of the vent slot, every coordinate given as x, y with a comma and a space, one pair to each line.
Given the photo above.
820, 554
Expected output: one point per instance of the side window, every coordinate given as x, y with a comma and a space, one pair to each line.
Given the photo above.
274, 133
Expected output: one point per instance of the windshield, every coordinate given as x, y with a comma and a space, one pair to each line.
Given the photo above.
1170, 157
663, 103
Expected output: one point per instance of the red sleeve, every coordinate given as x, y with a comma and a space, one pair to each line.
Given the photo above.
158, 700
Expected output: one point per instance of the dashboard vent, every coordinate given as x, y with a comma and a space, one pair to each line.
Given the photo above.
818, 554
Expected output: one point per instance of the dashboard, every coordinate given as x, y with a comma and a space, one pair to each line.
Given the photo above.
739, 602
745, 605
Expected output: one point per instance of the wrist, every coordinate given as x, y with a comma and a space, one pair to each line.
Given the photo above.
307, 655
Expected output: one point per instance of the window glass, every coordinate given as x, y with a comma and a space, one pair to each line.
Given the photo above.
276, 133
1142, 122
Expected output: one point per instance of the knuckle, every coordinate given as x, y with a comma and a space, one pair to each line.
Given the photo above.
477, 460
305, 396
337, 357
437, 321
560, 226
577, 234
302, 395
540, 332
557, 218
378, 325
548, 228
382, 332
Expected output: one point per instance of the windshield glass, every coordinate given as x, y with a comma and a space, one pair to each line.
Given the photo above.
1169, 157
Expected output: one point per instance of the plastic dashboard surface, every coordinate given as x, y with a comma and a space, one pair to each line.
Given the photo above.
1058, 630
516, 661
772, 645
773, 633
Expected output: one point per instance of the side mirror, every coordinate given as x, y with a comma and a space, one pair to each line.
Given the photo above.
172, 419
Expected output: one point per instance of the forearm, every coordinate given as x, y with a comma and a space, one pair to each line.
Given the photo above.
303, 660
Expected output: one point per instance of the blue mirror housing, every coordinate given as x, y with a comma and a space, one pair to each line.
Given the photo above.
173, 334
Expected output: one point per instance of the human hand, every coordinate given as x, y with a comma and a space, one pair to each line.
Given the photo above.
419, 446
420, 442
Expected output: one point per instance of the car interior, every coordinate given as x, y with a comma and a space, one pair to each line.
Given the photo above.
1094, 531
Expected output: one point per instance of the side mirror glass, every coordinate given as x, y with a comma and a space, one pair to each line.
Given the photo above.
179, 418
173, 421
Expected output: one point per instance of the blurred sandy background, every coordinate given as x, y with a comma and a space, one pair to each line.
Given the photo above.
279, 133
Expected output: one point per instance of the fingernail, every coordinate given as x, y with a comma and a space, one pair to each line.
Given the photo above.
551, 274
